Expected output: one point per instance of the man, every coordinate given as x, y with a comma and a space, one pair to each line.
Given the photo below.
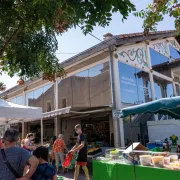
81, 148
58, 149
17, 157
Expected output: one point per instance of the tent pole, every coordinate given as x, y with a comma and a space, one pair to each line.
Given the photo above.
5, 126
22, 129
131, 131
41, 131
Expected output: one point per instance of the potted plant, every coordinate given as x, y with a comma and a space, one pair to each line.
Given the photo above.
20, 82
2, 86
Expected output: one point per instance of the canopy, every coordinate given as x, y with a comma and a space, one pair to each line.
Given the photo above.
166, 106
13, 113
57, 112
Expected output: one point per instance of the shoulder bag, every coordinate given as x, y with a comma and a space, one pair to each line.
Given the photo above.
16, 174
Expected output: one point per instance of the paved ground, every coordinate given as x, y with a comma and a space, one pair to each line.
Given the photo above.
69, 176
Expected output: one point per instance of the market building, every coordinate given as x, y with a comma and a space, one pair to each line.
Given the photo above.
121, 71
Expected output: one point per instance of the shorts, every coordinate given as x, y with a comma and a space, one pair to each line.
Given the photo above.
59, 156
81, 163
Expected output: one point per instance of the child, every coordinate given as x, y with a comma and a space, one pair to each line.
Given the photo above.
44, 170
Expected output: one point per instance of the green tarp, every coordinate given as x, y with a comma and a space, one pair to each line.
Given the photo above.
116, 171
165, 106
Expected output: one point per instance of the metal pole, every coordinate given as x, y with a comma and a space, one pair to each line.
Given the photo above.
121, 127
22, 129
5, 126
41, 131
131, 131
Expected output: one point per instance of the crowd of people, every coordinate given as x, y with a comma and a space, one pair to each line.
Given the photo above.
23, 160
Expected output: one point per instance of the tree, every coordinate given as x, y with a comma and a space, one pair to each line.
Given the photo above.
28, 30
155, 12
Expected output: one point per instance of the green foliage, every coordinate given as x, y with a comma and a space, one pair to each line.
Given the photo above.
28, 31
155, 12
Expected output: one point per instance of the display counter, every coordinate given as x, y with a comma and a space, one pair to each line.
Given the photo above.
119, 171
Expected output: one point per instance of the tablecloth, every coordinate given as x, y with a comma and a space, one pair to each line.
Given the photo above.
117, 171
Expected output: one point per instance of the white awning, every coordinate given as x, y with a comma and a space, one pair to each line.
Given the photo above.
57, 112
14, 113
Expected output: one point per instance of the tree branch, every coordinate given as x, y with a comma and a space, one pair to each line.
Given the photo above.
8, 41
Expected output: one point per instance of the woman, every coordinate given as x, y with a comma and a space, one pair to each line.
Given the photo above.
44, 170
58, 149
28, 143
52, 155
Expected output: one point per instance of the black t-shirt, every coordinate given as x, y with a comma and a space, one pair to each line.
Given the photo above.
82, 153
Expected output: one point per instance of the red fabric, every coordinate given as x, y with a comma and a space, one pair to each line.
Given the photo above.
68, 160
1, 144
26, 148
81, 163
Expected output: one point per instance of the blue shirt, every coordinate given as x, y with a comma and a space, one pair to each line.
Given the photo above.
44, 172
18, 158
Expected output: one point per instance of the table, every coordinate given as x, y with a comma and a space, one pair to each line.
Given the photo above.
117, 171
102, 153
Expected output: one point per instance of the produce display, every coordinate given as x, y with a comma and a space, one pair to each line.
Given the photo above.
114, 154
142, 157
158, 161
145, 160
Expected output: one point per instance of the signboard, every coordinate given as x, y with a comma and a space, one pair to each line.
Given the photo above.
116, 114
134, 55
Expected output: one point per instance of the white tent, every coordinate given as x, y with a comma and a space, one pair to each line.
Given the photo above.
14, 113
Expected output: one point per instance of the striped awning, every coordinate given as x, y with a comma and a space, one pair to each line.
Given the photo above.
57, 112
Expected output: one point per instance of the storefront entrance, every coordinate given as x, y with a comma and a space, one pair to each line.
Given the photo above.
97, 131
97, 127
48, 129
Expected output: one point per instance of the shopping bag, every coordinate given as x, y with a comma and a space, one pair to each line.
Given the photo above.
67, 161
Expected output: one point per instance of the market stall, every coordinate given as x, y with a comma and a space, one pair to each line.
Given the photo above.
137, 162
116, 171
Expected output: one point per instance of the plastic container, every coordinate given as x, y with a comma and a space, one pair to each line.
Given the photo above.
145, 160
166, 160
158, 161
173, 158
114, 154
151, 145
60, 178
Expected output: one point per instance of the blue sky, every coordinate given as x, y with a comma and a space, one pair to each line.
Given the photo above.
74, 41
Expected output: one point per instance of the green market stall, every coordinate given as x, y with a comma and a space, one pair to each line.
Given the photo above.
165, 106
113, 170
117, 171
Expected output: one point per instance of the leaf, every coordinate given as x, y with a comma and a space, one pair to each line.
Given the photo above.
28, 30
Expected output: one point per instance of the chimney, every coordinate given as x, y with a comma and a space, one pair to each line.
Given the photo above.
107, 36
